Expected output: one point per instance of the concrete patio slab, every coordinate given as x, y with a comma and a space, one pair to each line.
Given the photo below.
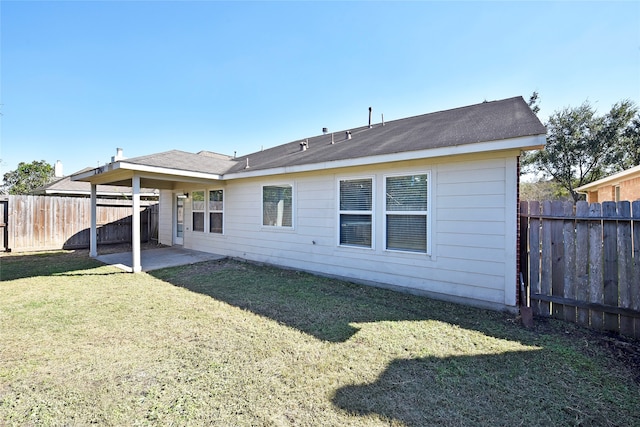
155, 259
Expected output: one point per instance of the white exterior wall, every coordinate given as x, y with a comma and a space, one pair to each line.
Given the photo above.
472, 227
165, 218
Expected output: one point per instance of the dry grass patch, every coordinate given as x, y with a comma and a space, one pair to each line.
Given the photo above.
229, 343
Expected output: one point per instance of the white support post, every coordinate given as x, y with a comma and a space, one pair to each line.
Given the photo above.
93, 233
135, 226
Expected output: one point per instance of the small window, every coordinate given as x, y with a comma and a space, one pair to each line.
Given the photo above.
407, 212
215, 211
277, 205
197, 210
356, 215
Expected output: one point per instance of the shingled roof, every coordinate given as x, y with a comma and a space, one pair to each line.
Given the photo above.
486, 122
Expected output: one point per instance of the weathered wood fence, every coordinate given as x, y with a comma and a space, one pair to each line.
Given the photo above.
582, 263
34, 223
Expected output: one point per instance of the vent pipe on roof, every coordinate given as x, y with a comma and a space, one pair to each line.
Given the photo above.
57, 169
304, 145
325, 130
348, 134
382, 119
370, 118
332, 141
247, 165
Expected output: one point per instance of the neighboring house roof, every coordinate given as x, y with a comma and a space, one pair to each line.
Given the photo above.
470, 129
65, 186
614, 179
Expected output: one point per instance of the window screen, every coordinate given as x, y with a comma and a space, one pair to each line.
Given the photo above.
356, 201
197, 210
277, 205
407, 212
215, 211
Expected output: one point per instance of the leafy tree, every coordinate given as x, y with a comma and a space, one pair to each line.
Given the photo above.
629, 145
581, 146
27, 177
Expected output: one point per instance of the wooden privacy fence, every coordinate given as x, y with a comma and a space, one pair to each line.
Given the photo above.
36, 223
582, 263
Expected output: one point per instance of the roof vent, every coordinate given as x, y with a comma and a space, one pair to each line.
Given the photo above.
247, 165
347, 134
118, 156
382, 119
325, 131
304, 145
332, 141
370, 118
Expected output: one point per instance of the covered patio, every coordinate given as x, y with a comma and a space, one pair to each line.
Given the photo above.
155, 259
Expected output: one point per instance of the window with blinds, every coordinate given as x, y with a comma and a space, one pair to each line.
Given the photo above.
277, 205
215, 211
197, 210
356, 214
406, 212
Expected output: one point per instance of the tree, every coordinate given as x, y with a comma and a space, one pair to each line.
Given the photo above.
581, 146
27, 177
629, 145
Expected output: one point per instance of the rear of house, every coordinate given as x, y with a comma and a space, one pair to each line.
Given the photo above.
426, 204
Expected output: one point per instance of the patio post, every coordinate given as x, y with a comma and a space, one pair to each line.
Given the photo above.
135, 225
93, 234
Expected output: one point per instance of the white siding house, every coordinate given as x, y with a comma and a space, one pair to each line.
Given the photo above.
426, 204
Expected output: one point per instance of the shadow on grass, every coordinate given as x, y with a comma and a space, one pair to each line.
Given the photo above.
20, 266
476, 390
322, 307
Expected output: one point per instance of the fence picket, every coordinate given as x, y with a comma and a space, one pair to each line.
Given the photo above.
546, 261
624, 266
534, 254
610, 264
635, 270
569, 278
582, 261
595, 265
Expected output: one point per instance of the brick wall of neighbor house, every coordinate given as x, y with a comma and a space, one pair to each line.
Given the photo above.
606, 193
630, 189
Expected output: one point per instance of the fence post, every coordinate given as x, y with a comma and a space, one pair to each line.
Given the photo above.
557, 257
595, 264
582, 260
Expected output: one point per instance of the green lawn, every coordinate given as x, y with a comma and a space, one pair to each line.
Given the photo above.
235, 344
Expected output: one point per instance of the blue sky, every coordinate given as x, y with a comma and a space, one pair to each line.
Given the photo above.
79, 79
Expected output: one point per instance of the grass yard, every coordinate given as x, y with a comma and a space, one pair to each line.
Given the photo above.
235, 344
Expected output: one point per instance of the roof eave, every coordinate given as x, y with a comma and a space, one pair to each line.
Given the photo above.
609, 179
98, 173
533, 142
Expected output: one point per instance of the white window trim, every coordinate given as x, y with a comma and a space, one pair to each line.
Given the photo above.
204, 211
293, 207
371, 212
209, 212
427, 214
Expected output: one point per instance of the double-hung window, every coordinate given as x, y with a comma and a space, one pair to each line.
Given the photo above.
277, 205
216, 209
356, 212
197, 209
406, 212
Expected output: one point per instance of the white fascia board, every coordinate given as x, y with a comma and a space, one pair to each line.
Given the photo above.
168, 171
124, 166
99, 193
522, 143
